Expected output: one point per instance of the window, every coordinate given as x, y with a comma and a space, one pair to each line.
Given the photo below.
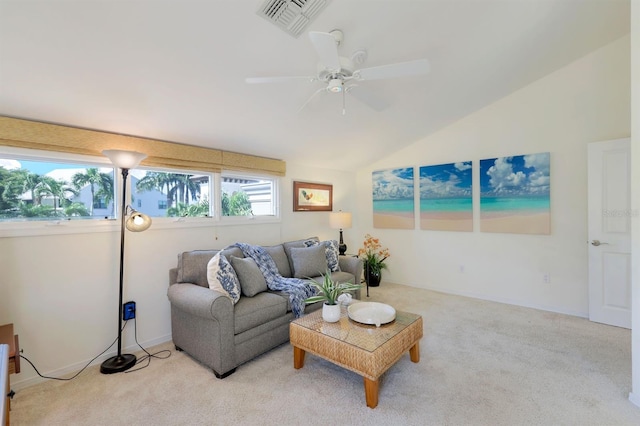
161, 193
44, 192
100, 202
37, 190
247, 196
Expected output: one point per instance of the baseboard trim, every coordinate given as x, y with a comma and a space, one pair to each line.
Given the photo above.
506, 301
72, 369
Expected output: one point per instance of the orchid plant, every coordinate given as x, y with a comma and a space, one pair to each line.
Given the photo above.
373, 255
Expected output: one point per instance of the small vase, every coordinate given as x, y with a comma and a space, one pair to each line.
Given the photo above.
331, 313
372, 277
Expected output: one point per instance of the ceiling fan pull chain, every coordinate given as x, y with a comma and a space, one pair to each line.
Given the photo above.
344, 110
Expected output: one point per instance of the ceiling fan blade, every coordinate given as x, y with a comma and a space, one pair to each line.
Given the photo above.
257, 80
367, 97
324, 89
327, 49
401, 69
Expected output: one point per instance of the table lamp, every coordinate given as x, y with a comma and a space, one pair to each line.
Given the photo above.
340, 220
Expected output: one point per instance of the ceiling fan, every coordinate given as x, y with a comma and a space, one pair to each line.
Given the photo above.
338, 74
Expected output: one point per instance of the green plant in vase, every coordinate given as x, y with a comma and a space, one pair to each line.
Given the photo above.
328, 291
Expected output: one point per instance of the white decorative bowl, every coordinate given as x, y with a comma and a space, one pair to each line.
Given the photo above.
371, 313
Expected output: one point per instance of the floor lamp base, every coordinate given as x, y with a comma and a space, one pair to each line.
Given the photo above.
118, 364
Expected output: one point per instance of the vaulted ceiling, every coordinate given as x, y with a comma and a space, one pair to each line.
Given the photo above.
175, 69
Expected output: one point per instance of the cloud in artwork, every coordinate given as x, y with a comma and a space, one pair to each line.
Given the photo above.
446, 181
393, 184
518, 176
462, 166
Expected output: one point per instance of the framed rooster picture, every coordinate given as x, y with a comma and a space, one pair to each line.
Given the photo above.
312, 197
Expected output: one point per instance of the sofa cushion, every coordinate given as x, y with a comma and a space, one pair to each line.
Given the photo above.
343, 277
222, 277
308, 261
331, 251
295, 244
251, 279
232, 251
280, 257
192, 266
251, 312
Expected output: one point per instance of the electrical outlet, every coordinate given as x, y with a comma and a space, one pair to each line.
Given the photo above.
546, 278
461, 268
129, 311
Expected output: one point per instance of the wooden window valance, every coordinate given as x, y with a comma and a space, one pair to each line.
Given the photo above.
21, 133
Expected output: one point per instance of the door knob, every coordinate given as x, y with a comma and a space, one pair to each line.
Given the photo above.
597, 243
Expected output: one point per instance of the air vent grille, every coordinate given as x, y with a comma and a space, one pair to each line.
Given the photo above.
292, 16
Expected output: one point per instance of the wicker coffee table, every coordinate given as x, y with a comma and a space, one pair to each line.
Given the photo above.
363, 349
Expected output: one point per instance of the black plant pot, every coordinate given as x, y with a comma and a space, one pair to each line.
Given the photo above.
372, 277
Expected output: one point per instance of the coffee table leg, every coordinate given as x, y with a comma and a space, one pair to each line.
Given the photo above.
371, 392
298, 357
414, 353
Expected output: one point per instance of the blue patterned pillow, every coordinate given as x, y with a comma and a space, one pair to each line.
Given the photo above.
330, 251
222, 277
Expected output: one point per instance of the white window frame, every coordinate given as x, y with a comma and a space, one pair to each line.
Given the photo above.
235, 220
59, 227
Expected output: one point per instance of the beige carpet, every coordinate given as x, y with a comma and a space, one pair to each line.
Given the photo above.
482, 363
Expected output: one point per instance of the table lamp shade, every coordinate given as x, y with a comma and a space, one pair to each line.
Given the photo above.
340, 220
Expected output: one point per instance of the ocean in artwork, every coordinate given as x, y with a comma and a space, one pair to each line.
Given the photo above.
507, 205
393, 205
515, 194
446, 201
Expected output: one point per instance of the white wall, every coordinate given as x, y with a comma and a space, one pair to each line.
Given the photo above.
584, 102
61, 291
635, 199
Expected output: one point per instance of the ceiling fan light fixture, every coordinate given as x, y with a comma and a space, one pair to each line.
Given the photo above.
335, 85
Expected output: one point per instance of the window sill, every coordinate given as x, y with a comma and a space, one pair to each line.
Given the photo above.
62, 227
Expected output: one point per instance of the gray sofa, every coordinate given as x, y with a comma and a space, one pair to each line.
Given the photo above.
211, 329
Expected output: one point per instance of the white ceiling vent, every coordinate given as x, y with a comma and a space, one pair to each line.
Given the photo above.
293, 16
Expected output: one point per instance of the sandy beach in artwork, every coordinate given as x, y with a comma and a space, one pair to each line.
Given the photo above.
394, 221
446, 221
521, 223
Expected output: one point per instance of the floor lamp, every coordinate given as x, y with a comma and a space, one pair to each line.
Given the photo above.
133, 221
340, 220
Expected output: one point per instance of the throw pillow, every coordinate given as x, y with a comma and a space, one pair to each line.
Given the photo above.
309, 262
331, 252
222, 277
251, 279
280, 257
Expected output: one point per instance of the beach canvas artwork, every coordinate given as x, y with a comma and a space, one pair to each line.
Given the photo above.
515, 194
446, 197
393, 205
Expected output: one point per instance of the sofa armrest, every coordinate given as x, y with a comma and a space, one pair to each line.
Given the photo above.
173, 276
202, 325
353, 265
200, 301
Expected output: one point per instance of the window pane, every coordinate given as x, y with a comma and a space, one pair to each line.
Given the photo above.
170, 194
247, 196
42, 190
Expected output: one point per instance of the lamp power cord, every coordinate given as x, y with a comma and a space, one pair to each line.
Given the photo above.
165, 354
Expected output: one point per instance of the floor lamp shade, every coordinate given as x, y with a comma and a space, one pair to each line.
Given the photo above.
135, 222
124, 159
340, 220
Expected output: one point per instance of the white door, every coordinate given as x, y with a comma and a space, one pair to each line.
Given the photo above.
609, 180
